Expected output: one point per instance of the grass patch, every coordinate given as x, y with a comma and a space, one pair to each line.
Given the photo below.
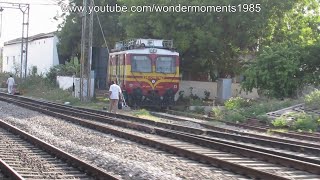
39, 87
91, 105
238, 109
282, 130
215, 123
143, 113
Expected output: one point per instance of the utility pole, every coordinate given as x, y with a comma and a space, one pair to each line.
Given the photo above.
24, 8
86, 52
24, 38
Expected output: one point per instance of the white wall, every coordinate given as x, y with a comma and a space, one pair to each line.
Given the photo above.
11, 54
199, 88
42, 53
66, 82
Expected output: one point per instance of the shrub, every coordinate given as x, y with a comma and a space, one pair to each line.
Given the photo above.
181, 95
260, 108
193, 96
51, 76
306, 122
313, 99
236, 103
217, 113
280, 122
206, 95
199, 110
196, 102
235, 116
263, 118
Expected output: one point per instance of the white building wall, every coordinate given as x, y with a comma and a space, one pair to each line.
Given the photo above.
11, 56
42, 53
66, 82
199, 87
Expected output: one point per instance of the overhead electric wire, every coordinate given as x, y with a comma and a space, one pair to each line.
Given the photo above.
104, 38
31, 3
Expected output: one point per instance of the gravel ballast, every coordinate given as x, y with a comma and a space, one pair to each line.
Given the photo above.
124, 158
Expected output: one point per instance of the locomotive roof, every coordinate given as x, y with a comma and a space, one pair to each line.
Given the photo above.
147, 51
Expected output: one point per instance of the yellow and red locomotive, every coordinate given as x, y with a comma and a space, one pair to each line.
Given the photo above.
147, 71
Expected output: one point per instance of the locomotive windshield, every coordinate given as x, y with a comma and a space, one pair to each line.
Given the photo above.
165, 64
141, 63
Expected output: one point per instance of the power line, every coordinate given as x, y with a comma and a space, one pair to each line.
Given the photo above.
104, 37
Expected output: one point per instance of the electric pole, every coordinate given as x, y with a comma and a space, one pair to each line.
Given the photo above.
24, 8
24, 38
86, 52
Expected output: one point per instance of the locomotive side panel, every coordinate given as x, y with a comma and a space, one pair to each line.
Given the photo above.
116, 70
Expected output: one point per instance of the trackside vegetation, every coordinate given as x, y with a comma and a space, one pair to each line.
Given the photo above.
239, 109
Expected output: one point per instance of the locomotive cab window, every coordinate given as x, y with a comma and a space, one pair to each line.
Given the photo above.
141, 64
166, 65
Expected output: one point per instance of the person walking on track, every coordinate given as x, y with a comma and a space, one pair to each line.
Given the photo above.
10, 83
115, 94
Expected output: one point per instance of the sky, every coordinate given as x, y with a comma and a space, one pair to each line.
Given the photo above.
40, 18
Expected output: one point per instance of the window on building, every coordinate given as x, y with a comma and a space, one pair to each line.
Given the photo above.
14, 59
7, 60
141, 63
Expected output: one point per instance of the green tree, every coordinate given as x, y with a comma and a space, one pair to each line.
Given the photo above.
290, 52
70, 30
208, 41
299, 25
283, 69
276, 71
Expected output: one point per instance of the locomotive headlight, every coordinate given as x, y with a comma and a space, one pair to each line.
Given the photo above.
153, 81
175, 86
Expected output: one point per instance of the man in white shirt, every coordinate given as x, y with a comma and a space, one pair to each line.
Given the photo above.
10, 83
115, 93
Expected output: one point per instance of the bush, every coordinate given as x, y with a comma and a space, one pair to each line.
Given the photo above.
199, 110
306, 122
3, 79
301, 121
217, 113
51, 76
235, 116
313, 99
280, 122
263, 118
206, 95
236, 103
261, 108
196, 102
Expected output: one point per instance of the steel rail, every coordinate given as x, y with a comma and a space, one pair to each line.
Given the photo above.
92, 170
311, 167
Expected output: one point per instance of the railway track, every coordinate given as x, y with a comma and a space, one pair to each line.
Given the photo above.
242, 160
295, 135
261, 137
23, 156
